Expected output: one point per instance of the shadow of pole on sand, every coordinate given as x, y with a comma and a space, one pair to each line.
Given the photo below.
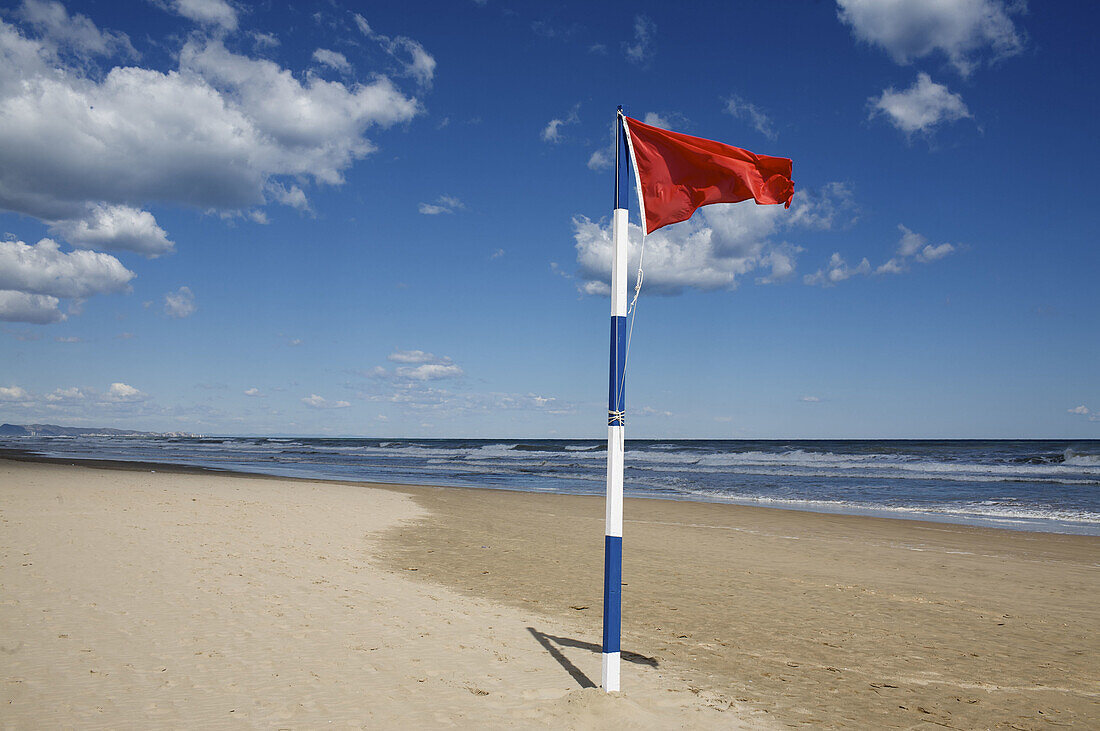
548, 642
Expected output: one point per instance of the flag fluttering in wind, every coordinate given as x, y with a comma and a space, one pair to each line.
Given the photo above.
678, 173
675, 174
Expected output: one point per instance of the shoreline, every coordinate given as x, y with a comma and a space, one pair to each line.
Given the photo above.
1032, 524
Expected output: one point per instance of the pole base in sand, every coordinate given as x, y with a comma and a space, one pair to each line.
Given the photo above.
611, 672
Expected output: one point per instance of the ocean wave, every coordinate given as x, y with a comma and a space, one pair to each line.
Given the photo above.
1081, 459
880, 475
1017, 512
751, 464
795, 456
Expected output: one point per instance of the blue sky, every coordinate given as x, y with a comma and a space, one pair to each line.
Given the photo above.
392, 219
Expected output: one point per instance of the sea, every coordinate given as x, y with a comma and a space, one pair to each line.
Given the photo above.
1031, 485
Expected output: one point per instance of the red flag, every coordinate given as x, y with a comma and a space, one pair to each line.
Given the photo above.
679, 173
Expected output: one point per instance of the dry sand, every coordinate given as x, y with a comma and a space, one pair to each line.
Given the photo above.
138, 599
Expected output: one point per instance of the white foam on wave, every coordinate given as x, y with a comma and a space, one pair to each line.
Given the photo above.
963, 511
1077, 464
1077, 459
879, 472
795, 456
423, 452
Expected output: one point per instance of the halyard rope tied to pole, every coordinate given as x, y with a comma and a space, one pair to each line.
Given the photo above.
632, 309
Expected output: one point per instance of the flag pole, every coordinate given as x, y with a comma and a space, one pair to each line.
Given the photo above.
616, 423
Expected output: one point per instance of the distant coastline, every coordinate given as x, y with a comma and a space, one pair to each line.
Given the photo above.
53, 430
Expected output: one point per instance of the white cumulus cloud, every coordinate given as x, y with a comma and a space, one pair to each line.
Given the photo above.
43, 269
332, 59
417, 365
213, 134
781, 260
638, 51
552, 131
412, 356
932, 253
84, 405
124, 393
180, 304
1082, 410
291, 196
443, 204
72, 33
604, 157
415, 61
752, 114
716, 247
36, 309
920, 107
913, 245
324, 135
65, 394
653, 119
115, 227
13, 393
601, 160
319, 402
430, 371
207, 12
964, 31
837, 270
911, 241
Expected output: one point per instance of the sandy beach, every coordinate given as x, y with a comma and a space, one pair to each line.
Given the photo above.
151, 598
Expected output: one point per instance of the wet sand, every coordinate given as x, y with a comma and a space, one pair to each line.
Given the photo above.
825, 620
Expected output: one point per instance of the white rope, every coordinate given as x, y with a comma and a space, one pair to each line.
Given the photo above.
638, 281
632, 310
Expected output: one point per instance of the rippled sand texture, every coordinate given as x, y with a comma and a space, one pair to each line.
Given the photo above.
816, 619
143, 599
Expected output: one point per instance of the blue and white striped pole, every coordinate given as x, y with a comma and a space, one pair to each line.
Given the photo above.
616, 423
